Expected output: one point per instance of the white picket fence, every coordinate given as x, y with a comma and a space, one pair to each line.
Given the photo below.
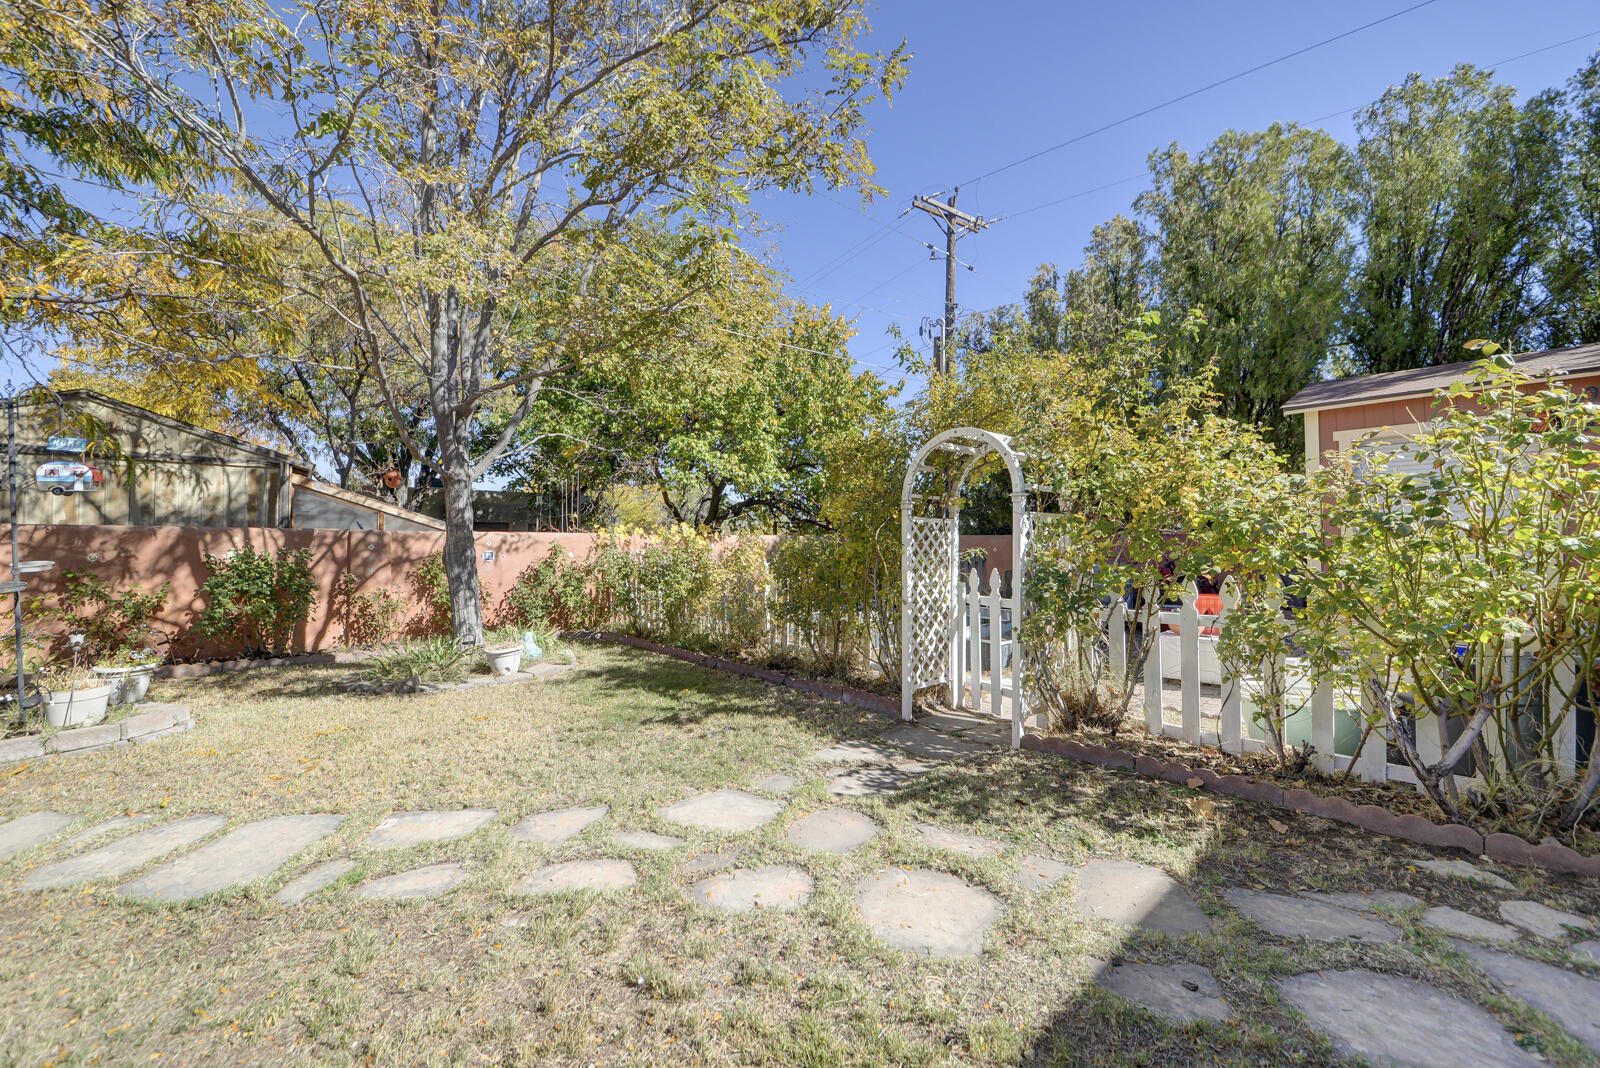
1315, 710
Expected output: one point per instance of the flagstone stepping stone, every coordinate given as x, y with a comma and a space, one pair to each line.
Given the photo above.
1566, 997
869, 782
775, 887
1137, 895
1183, 992
1465, 924
701, 863
126, 854
1589, 948
958, 841
554, 828
856, 753
100, 830
303, 886
777, 784
418, 882
1037, 873
25, 832
1396, 1021
1296, 917
414, 828
580, 875
241, 856
1542, 920
646, 840
1461, 869
1365, 902
832, 830
931, 745
724, 810
928, 912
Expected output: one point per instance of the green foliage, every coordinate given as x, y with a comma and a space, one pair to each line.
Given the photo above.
369, 618
557, 592
437, 659
819, 595
256, 600
1256, 233
431, 588
118, 628
1460, 207
1466, 596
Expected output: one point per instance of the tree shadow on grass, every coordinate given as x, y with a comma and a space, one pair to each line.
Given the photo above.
270, 683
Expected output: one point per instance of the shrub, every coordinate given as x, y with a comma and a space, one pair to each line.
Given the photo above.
436, 659
555, 592
256, 600
815, 592
369, 618
116, 626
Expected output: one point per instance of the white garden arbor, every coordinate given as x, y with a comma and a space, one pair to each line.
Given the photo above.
949, 630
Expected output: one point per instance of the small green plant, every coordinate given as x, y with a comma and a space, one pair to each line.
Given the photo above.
369, 618
502, 637
432, 588
117, 627
256, 599
437, 659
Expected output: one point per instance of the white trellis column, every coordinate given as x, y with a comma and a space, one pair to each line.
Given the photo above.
1019, 594
908, 651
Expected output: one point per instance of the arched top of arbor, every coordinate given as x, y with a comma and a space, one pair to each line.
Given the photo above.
973, 443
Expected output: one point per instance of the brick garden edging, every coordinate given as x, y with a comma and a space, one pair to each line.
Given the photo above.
1410, 827
150, 722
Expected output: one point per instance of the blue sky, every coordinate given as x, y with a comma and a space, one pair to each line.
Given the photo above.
991, 83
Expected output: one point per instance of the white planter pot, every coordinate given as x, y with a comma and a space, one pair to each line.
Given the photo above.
504, 661
128, 684
77, 708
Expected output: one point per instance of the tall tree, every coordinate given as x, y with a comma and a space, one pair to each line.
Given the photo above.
472, 170
1573, 275
1255, 233
1460, 207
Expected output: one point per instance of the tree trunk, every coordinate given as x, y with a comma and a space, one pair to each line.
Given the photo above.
461, 559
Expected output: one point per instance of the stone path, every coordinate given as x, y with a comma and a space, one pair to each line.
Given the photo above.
1299, 917
777, 887
647, 840
929, 912
415, 828
1401, 1021
1567, 998
25, 832
723, 810
1136, 895
126, 854
419, 882
1182, 992
832, 830
301, 887
580, 875
241, 856
554, 828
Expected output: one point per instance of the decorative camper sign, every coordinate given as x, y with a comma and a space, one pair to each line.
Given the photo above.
60, 443
67, 476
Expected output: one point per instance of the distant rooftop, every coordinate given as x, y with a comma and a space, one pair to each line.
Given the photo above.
1422, 381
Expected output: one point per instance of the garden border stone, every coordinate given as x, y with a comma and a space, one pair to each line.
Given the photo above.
149, 722
1408, 827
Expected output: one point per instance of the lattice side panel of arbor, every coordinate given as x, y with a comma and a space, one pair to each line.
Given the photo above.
929, 594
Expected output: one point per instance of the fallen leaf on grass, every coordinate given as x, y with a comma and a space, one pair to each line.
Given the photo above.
1281, 828
1194, 782
1202, 807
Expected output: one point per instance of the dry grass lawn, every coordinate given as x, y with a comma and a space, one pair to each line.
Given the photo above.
485, 976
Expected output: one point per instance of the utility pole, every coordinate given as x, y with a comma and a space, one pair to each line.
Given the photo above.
955, 224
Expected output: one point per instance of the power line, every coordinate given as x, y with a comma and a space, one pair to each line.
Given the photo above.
1203, 89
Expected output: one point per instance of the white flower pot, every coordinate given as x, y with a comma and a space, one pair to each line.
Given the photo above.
504, 661
128, 684
77, 708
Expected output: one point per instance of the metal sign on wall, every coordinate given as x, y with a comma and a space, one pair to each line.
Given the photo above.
58, 443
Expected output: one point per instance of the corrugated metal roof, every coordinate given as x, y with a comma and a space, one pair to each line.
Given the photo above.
1422, 381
